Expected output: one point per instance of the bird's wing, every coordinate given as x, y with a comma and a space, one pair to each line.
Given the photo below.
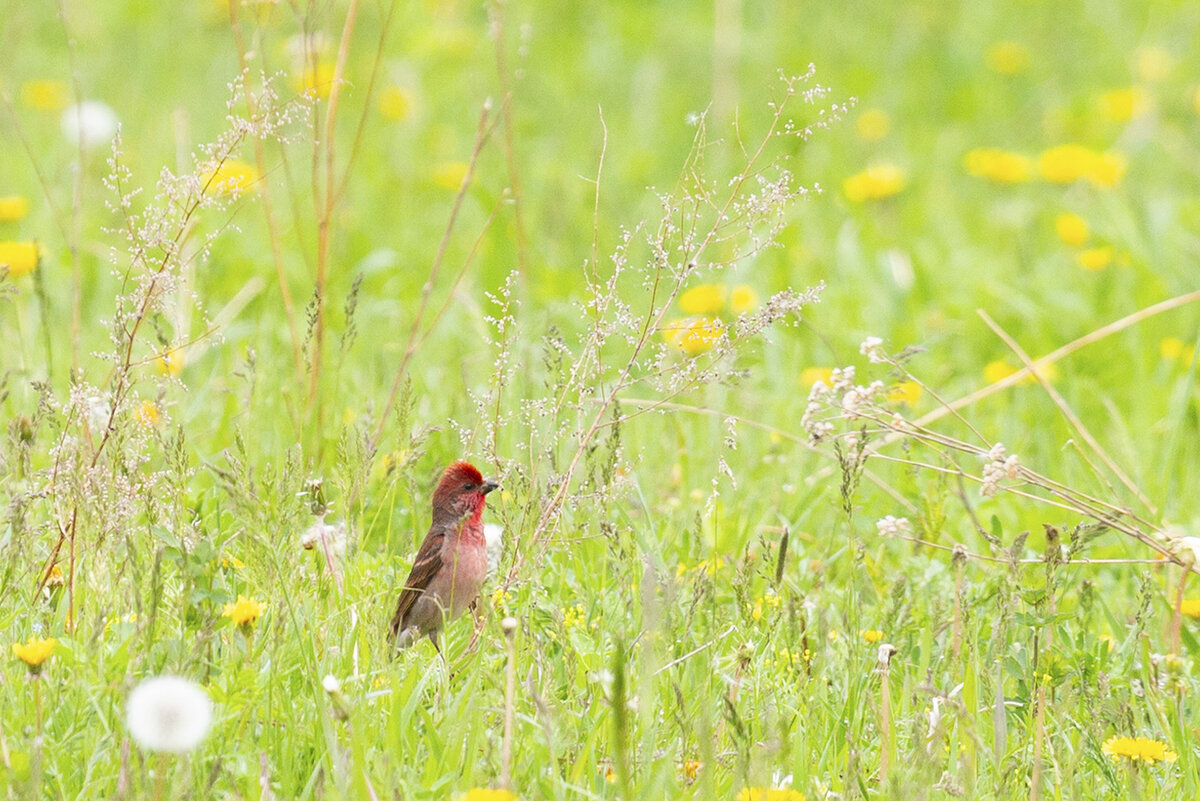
426, 566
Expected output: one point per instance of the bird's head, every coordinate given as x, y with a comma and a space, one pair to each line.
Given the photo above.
461, 493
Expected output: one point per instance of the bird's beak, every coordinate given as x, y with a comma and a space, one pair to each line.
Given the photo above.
488, 486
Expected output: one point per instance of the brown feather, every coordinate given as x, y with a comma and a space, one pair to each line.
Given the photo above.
425, 567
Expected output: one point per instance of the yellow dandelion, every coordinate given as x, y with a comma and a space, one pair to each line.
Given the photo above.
998, 370
875, 183
743, 299
449, 175
315, 80
34, 652
1107, 169
1071, 229
704, 299
816, 375
1190, 607
231, 177
1007, 58
13, 208
487, 794
1153, 64
871, 636
396, 103
1137, 749
147, 413
873, 124
55, 577
999, 166
1122, 105
244, 612
766, 794
171, 362
694, 335
906, 392
21, 258
691, 767
1066, 164
1094, 258
45, 95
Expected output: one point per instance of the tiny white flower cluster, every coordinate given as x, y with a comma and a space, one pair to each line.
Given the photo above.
891, 526
872, 348
1000, 466
844, 394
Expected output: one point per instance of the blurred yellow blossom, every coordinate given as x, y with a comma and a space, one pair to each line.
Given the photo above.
13, 208
44, 95
764, 794
873, 124
244, 611
1065, 164
231, 177
1001, 166
171, 362
488, 794
743, 299
1173, 349
147, 413
1107, 169
1122, 105
231, 562
21, 258
1139, 749
1190, 607
1071, 229
762, 603
1000, 369
573, 617
871, 636
35, 652
814, 375
694, 335
449, 175
1094, 258
1153, 64
1007, 58
396, 103
703, 299
315, 80
691, 767
54, 577
906, 392
875, 183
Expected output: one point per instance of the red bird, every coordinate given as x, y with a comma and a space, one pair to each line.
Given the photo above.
452, 562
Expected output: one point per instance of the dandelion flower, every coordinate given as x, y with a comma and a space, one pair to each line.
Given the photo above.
695, 335
230, 177
871, 636
396, 103
171, 362
44, 95
21, 258
168, 713
703, 299
1190, 607
450, 175
763, 794
1094, 258
1007, 58
315, 80
1137, 749
875, 183
743, 299
89, 124
1122, 105
999, 166
244, 612
13, 208
147, 413
906, 392
816, 375
34, 652
1066, 164
1071, 229
873, 125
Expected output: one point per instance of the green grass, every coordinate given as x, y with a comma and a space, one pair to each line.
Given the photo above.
658, 624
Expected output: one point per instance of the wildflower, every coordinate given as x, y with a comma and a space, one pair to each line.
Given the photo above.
315, 80
493, 535
871, 348
764, 794
1066, 164
811, 376
691, 767
705, 299
758, 608
396, 103
168, 713
873, 124
610, 775
487, 794
230, 177
13, 208
450, 175
1000, 465
89, 124
694, 335
1137, 749
1108, 640
891, 526
321, 535
231, 562
501, 597
34, 652
1108, 169
1122, 105
147, 413
906, 392
243, 612
1190, 607
171, 362
573, 617
871, 636
21, 258
1007, 58
1153, 64
1094, 258
1071, 229
1000, 369
44, 95
54, 577
1000, 166
875, 183
743, 299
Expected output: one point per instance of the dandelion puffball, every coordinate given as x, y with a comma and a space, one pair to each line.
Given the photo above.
493, 535
90, 123
167, 713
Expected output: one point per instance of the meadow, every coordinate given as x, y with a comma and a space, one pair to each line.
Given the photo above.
837, 362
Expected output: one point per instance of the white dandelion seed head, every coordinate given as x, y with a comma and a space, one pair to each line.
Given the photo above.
168, 713
90, 123
331, 684
493, 534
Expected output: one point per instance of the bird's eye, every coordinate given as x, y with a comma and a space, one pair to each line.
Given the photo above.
468, 486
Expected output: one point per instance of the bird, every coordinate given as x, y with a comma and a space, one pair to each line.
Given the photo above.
452, 562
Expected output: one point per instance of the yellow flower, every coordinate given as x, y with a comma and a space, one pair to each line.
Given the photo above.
573, 617
1007, 58
231, 562
1108, 169
743, 299
764, 794
44, 95
1071, 229
703, 299
54, 577
906, 392
1122, 105
1001, 369
13, 208
1066, 164
1108, 641
34, 652
147, 413
610, 775
1153, 64
171, 362
1190, 607
21, 258
691, 767
315, 80
1094, 258
501, 597
694, 335
450, 175
487, 794
1001, 166
871, 636
244, 612
875, 183
231, 177
1137, 749
873, 124
816, 375
396, 103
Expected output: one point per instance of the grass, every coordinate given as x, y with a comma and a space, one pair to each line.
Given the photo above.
704, 604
